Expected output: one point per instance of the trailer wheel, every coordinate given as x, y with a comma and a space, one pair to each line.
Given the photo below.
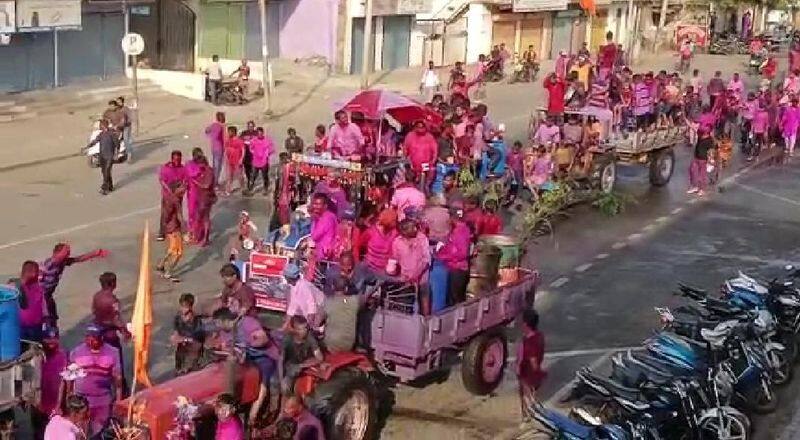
483, 363
604, 174
662, 164
347, 405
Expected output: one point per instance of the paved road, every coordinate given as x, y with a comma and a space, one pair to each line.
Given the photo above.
601, 275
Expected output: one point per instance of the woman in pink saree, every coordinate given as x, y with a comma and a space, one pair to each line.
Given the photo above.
192, 172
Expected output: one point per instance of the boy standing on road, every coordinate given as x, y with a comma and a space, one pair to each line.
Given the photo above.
173, 226
234, 158
529, 360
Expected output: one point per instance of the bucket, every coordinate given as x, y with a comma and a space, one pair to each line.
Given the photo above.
483, 273
510, 259
9, 323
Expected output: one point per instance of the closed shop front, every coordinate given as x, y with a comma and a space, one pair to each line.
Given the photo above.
168, 29
599, 24
455, 41
223, 30
531, 30
504, 31
357, 45
396, 41
562, 30
253, 26
91, 53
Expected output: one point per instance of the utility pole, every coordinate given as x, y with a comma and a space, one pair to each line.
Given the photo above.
266, 70
367, 56
630, 35
662, 20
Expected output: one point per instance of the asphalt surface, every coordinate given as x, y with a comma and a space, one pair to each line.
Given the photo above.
601, 276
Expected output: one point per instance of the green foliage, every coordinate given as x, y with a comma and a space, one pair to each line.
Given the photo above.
611, 203
537, 218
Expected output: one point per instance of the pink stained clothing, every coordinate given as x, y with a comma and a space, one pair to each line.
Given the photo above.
61, 428
230, 429
760, 122
305, 299
790, 121
420, 149
561, 66
102, 368
192, 173
261, 149
414, 257
749, 110
407, 196
52, 367
545, 134
455, 253
32, 315
737, 87
345, 140
542, 170
707, 120
168, 174
387, 146
216, 136
379, 247
323, 232
697, 84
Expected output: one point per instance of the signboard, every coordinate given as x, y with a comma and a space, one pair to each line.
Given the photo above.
46, 15
697, 33
400, 7
8, 21
539, 5
266, 265
132, 44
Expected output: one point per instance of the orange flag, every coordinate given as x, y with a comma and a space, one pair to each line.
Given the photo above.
589, 6
142, 319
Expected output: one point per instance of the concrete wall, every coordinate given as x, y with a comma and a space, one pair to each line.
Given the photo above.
187, 84
416, 50
479, 31
309, 28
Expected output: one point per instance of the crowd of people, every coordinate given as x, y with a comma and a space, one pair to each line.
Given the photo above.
419, 230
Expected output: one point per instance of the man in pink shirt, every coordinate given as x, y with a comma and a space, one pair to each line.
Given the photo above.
345, 138
261, 148
454, 252
33, 310
420, 147
408, 197
103, 381
72, 424
547, 133
55, 361
412, 252
323, 227
169, 173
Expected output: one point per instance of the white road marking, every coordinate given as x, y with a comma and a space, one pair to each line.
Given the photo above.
78, 227
583, 267
766, 194
634, 237
745, 258
648, 228
676, 211
601, 256
573, 353
618, 245
662, 219
559, 282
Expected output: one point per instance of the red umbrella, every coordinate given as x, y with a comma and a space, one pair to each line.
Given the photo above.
374, 104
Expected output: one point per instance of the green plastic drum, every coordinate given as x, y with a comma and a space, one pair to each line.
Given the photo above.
510, 249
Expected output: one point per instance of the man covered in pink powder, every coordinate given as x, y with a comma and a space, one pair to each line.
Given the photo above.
323, 227
103, 381
169, 173
345, 138
193, 169
790, 122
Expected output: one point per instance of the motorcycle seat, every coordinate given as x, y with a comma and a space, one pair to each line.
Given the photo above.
721, 306
616, 389
634, 374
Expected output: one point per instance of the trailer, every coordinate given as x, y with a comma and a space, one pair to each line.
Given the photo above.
20, 382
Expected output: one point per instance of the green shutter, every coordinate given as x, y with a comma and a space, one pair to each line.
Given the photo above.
236, 31
214, 31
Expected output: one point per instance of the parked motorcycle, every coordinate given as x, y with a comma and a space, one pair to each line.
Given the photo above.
93, 153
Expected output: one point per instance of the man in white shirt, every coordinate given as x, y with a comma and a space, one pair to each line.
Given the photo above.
429, 84
214, 73
305, 299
